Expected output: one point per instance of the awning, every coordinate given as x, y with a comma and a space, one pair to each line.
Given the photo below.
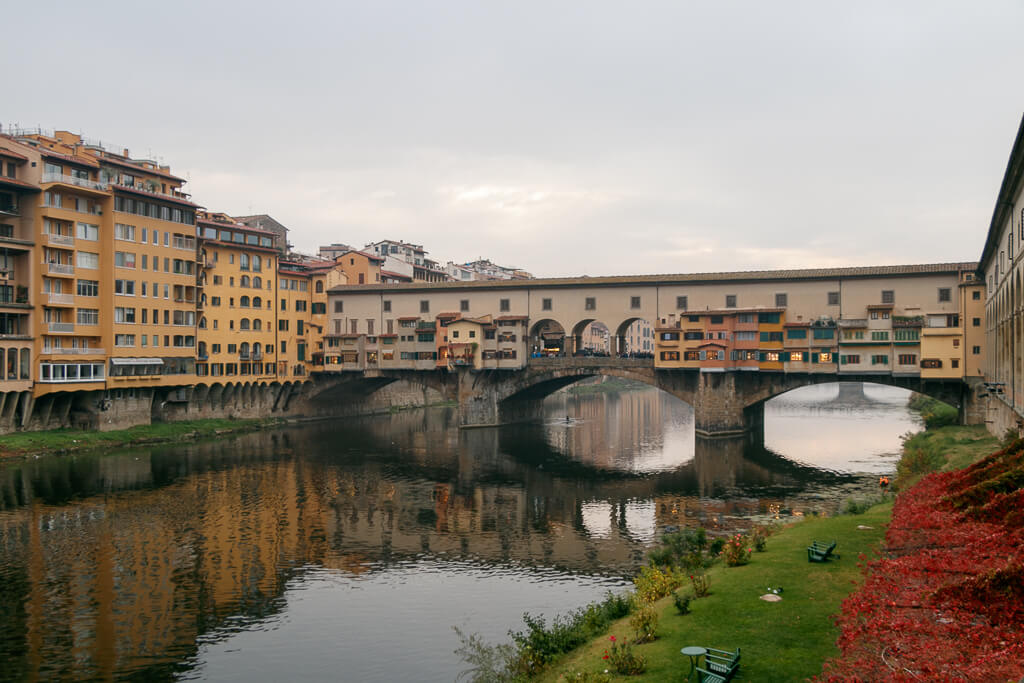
136, 361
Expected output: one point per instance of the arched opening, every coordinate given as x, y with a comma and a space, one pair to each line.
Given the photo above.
257, 282
547, 338
634, 338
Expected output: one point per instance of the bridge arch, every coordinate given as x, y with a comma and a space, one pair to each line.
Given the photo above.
548, 334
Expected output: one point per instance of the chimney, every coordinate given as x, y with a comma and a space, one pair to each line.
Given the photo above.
126, 154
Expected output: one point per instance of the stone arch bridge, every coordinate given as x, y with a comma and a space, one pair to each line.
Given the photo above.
724, 403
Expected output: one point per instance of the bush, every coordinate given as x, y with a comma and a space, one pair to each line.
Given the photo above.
623, 660
737, 551
644, 622
715, 549
682, 602
858, 506
701, 584
653, 583
759, 538
934, 413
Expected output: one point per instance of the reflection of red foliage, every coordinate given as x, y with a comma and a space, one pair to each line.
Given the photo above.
946, 599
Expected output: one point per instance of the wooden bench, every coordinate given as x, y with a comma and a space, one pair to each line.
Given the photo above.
722, 666
819, 551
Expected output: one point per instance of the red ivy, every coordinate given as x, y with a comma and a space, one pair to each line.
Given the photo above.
946, 598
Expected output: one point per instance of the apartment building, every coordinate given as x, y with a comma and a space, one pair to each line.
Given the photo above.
116, 276
237, 328
17, 245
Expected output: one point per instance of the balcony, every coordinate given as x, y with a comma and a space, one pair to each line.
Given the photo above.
91, 351
94, 185
60, 328
257, 355
60, 269
60, 240
59, 299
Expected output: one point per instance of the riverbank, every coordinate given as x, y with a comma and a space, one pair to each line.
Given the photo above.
780, 641
61, 441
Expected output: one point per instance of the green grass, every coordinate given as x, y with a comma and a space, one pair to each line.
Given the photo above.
60, 440
942, 449
784, 641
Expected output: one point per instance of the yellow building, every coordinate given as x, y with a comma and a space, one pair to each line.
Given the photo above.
237, 317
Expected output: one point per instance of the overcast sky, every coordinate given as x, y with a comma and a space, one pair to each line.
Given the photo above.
565, 138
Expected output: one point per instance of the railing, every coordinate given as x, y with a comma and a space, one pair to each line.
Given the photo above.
257, 355
243, 355
591, 362
184, 243
50, 177
60, 268
75, 351
9, 210
60, 298
63, 240
60, 328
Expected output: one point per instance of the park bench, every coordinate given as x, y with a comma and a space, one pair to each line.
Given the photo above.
721, 666
819, 551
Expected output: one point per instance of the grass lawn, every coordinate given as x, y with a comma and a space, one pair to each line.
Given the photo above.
783, 641
28, 443
942, 449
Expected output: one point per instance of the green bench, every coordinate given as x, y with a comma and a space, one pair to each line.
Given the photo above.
721, 666
819, 551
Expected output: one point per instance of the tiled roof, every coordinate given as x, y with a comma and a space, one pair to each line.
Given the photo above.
81, 161
12, 154
682, 278
141, 169
155, 195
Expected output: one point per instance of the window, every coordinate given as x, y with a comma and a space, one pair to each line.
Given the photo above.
339, 306
796, 334
124, 340
931, 363
87, 231
504, 305
545, 304
85, 259
424, 306
386, 307
730, 301
124, 315
976, 295
976, 350
300, 305
879, 359
590, 303
879, 335
780, 300
124, 259
124, 232
906, 334
945, 294
954, 362
669, 355
833, 298
888, 296
124, 287
907, 359
88, 316
976, 322
669, 336
681, 303
849, 360
88, 288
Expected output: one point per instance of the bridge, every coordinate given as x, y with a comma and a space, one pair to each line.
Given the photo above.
723, 342
724, 404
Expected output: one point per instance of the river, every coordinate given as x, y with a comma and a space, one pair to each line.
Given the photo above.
348, 550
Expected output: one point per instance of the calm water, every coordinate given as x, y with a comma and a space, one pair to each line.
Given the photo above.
347, 551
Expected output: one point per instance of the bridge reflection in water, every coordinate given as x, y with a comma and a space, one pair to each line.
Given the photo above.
125, 564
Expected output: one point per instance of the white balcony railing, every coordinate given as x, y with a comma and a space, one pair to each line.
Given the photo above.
74, 351
60, 268
62, 240
60, 328
49, 177
60, 298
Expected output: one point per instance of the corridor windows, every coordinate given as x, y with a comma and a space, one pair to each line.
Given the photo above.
888, 296
833, 298
504, 305
634, 302
545, 304
681, 303
386, 307
781, 300
424, 306
590, 303
730, 301
945, 294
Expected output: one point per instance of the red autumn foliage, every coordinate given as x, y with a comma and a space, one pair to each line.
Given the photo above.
945, 601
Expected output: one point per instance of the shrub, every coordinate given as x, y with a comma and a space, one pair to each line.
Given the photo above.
758, 538
701, 584
623, 660
715, 548
644, 622
653, 583
737, 551
682, 602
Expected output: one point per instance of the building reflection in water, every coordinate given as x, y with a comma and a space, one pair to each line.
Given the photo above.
118, 564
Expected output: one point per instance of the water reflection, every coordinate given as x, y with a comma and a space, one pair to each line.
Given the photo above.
177, 561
